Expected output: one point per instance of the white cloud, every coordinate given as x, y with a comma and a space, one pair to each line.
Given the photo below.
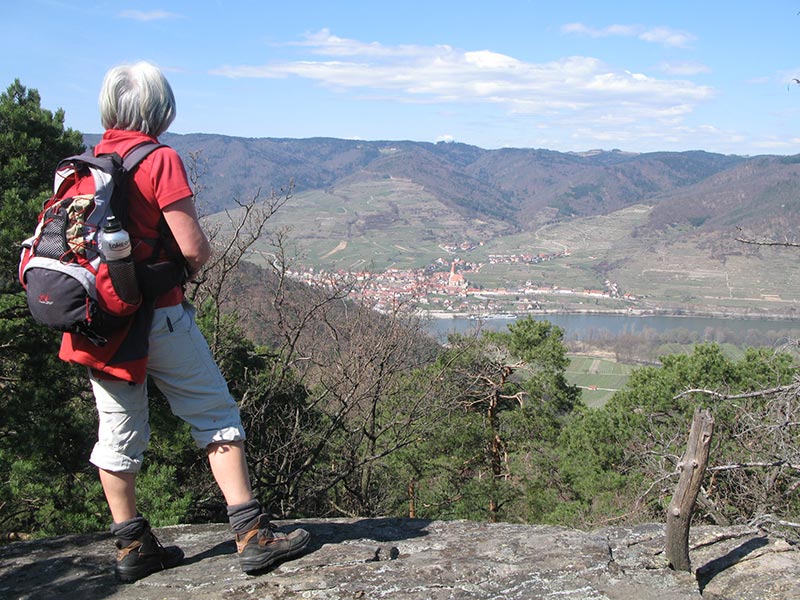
445, 74
684, 68
667, 37
611, 30
152, 15
575, 93
658, 35
323, 42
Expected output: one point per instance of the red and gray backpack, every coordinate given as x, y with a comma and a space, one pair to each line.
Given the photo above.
68, 284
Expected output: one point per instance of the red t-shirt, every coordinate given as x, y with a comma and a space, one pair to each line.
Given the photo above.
159, 181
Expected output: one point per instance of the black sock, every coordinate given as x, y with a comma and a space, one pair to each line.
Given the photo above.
242, 516
131, 530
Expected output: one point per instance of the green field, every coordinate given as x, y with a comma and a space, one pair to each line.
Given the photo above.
598, 378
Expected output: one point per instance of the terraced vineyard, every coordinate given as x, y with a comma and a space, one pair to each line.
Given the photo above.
373, 225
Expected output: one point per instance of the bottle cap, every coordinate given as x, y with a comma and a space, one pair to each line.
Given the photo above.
112, 224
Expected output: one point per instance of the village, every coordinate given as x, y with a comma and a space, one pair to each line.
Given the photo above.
443, 289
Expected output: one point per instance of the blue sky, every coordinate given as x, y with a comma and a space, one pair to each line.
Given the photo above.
568, 75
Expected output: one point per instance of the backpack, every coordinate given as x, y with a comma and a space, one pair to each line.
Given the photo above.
68, 284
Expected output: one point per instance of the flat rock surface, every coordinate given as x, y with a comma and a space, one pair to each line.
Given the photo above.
418, 559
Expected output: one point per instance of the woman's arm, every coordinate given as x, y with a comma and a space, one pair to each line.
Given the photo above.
181, 217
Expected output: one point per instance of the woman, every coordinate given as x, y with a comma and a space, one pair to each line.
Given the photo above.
137, 105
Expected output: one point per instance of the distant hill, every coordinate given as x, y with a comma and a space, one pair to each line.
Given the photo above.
521, 187
761, 194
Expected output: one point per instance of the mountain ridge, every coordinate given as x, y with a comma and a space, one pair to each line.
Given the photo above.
521, 187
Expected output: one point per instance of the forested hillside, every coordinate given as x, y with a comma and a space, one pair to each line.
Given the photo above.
760, 194
354, 413
520, 187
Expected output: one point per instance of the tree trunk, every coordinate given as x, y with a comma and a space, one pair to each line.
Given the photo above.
494, 454
692, 468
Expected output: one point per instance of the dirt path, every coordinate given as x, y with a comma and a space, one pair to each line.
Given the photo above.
341, 246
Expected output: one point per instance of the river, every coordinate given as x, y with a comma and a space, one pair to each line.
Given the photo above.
593, 326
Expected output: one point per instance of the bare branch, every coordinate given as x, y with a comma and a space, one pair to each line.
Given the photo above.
766, 241
753, 465
756, 394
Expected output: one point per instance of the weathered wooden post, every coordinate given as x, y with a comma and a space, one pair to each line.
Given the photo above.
692, 468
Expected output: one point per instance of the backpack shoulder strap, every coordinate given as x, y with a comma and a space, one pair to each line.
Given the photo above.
131, 160
138, 153
106, 162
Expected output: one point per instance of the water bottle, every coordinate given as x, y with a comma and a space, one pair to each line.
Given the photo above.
115, 247
115, 243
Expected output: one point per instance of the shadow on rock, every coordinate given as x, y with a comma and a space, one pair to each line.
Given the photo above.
221, 549
711, 569
46, 568
380, 529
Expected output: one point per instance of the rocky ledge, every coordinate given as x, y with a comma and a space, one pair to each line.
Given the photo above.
417, 559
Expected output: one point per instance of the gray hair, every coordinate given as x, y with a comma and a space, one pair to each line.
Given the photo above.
137, 97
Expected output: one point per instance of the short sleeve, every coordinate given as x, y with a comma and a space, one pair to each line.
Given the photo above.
168, 177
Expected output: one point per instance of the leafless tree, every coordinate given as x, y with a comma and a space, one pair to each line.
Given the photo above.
332, 395
756, 473
753, 470
356, 366
233, 238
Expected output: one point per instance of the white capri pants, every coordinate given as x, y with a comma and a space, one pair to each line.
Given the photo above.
181, 365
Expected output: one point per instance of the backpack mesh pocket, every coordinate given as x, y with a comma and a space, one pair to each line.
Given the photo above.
123, 277
52, 242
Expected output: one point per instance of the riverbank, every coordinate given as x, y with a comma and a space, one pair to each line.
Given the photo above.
628, 312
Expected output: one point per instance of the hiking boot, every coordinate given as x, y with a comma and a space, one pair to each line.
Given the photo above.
262, 546
145, 556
